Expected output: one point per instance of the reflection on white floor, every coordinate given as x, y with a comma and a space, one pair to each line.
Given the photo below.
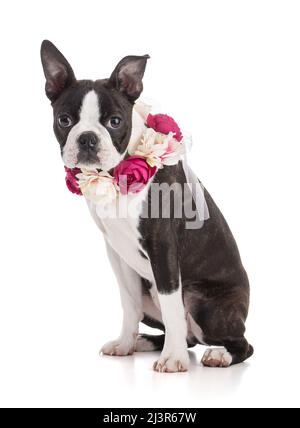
198, 387
72, 374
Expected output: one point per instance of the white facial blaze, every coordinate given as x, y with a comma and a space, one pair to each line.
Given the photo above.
90, 114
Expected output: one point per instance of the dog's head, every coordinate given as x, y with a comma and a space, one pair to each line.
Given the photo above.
92, 119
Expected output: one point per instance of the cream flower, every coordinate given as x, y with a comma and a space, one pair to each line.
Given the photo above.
98, 187
159, 149
173, 153
143, 109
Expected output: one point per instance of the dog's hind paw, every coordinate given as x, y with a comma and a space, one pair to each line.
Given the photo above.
117, 348
217, 357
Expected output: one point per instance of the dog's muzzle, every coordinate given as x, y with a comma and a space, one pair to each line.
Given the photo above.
88, 141
88, 145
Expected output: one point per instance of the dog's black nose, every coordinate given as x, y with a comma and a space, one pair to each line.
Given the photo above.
88, 140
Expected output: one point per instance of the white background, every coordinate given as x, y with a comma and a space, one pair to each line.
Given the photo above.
229, 72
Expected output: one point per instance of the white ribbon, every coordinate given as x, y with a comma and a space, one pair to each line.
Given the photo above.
192, 180
197, 191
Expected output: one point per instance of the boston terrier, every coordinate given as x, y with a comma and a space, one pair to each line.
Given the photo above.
188, 282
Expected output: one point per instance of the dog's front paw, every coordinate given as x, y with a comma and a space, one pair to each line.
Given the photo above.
117, 348
172, 364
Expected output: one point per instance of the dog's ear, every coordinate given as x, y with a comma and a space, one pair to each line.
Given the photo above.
57, 70
128, 74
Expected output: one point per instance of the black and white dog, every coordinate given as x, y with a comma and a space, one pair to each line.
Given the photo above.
190, 283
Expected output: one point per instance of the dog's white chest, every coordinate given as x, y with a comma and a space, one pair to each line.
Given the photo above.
122, 234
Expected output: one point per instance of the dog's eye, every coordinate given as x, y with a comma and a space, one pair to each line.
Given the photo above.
114, 122
65, 121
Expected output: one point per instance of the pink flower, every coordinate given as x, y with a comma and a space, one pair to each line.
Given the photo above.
164, 124
132, 174
72, 181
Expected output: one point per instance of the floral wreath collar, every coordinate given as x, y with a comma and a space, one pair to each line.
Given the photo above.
161, 144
